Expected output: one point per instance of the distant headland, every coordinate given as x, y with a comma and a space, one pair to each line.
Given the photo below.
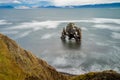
27, 6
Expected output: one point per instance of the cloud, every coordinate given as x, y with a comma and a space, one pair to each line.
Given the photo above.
59, 2
16, 1
34, 1
10, 1
80, 2
22, 7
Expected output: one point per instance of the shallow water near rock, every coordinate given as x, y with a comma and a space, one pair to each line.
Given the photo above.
39, 31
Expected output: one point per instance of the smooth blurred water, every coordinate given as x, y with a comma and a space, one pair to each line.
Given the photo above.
39, 31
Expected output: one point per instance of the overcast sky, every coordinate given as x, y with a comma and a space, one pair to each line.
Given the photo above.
59, 2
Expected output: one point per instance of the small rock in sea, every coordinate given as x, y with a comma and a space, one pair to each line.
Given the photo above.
72, 32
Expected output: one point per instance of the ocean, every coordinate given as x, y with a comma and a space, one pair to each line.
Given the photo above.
39, 31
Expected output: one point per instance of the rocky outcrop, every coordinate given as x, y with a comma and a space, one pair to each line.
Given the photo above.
19, 64
105, 75
72, 32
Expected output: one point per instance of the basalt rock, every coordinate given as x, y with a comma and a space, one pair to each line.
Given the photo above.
72, 32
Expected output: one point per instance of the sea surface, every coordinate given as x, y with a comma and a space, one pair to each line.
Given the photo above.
39, 31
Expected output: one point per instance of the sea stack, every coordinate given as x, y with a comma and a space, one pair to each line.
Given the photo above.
72, 32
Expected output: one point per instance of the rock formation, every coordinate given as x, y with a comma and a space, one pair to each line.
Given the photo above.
19, 64
105, 75
72, 32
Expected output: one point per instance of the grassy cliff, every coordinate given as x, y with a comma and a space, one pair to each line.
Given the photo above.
19, 64
105, 75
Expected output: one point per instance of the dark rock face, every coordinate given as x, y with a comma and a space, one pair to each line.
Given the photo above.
72, 31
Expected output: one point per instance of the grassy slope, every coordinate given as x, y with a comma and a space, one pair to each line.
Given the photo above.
9, 70
105, 75
19, 64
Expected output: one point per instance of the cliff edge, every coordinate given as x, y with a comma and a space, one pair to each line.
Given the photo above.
104, 75
19, 64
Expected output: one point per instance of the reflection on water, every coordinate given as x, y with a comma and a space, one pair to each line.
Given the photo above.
71, 44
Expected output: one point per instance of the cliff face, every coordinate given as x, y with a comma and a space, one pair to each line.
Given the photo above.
19, 64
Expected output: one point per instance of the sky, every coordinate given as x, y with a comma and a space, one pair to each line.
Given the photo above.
58, 2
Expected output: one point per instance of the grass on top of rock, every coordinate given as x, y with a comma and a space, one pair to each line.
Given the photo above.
105, 75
